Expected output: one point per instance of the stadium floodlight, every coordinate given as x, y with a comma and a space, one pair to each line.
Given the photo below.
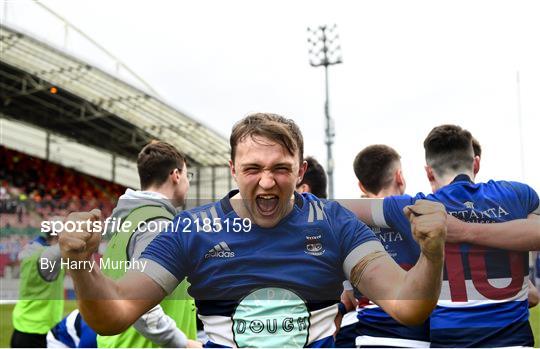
324, 51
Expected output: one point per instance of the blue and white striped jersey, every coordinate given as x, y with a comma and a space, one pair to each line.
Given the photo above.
373, 320
263, 287
372, 324
483, 301
71, 332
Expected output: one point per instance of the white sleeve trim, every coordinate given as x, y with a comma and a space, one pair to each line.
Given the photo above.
377, 213
360, 252
160, 275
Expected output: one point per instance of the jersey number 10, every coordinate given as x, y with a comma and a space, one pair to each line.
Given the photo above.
477, 270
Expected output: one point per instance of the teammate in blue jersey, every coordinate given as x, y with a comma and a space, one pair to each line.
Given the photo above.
314, 180
265, 264
71, 332
379, 173
518, 235
483, 302
459, 231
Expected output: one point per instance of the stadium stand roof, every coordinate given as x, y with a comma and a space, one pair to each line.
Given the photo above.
47, 87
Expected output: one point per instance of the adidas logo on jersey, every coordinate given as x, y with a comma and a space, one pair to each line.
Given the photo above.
221, 250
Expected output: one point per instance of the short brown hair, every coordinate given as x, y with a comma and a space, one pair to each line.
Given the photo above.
315, 177
449, 148
272, 126
156, 161
374, 167
477, 148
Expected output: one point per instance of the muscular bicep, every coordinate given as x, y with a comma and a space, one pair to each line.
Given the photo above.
382, 280
138, 285
111, 306
378, 277
138, 293
409, 297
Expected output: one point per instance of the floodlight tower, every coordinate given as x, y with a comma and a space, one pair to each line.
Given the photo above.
324, 51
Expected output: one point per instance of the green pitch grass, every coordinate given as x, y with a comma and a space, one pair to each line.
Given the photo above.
6, 328
535, 324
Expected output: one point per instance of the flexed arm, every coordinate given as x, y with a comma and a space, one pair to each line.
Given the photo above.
409, 297
108, 306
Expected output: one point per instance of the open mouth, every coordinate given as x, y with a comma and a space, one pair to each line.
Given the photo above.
267, 204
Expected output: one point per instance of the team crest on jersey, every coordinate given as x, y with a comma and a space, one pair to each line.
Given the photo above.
314, 245
469, 204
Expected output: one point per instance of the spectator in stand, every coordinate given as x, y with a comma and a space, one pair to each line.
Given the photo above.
47, 194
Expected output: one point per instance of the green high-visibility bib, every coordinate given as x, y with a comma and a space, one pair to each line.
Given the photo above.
41, 302
178, 305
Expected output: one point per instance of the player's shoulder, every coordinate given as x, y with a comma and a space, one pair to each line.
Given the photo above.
326, 205
210, 210
331, 213
213, 217
405, 199
309, 199
331, 217
505, 183
500, 187
312, 208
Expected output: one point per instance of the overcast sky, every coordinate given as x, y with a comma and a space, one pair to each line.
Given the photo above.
408, 66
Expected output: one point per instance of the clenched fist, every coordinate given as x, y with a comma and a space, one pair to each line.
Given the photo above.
428, 224
79, 245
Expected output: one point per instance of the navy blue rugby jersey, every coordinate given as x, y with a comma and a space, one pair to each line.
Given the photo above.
483, 300
373, 320
263, 287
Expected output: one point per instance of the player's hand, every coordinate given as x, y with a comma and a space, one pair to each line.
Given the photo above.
80, 244
428, 224
456, 231
348, 299
337, 323
193, 344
